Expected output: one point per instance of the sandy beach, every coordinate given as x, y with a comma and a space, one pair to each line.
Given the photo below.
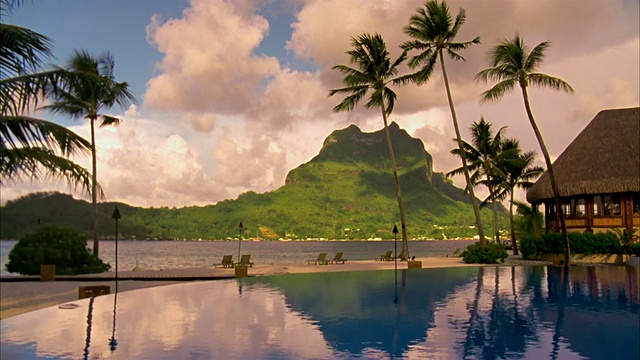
18, 297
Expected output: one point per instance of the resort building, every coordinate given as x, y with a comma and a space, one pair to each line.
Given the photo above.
598, 176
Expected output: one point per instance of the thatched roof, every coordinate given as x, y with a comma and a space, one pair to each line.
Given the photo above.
603, 158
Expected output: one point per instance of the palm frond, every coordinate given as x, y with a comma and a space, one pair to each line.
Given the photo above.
536, 57
554, 83
35, 163
26, 131
498, 90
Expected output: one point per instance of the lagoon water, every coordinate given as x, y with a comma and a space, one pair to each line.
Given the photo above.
520, 312
158, 255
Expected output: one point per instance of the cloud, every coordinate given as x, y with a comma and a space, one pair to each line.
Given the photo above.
208, 62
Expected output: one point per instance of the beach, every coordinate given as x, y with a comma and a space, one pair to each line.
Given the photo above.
18, 297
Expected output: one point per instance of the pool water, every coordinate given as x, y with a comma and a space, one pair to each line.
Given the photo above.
455, 313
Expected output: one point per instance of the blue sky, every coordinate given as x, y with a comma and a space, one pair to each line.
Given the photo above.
234, 94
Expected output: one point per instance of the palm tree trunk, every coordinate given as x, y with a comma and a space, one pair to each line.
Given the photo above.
474, 201
94, 188
552, 178
496, 226
512, 226
405, 245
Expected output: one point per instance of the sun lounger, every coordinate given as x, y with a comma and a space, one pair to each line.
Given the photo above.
246, 261
388, 256
227, 262
338, 259
320, 260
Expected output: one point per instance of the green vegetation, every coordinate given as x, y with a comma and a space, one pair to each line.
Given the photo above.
489, 253
581, 243
345, 192
483, 156
62, 247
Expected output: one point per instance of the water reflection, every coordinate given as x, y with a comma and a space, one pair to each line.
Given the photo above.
488, 313
113, 342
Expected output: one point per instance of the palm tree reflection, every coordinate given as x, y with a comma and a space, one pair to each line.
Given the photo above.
87, 342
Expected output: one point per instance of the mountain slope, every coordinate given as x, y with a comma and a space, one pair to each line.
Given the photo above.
345, 192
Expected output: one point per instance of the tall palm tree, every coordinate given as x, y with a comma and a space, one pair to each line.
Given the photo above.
513, 65
518, 171
91, 88
433, 33
32, 148
374, 72
482, 156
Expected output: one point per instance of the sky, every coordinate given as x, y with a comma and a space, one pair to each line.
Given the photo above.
233, 94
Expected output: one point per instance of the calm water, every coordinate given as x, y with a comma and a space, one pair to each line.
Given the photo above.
156, 255
458, 313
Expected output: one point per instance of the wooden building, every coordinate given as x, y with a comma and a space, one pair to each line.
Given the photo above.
598, 176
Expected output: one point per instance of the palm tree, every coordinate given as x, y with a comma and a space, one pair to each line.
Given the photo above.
482, 157
519, 171
374, 72
433, 33
514, 65
91, 88
530, 220
32, 148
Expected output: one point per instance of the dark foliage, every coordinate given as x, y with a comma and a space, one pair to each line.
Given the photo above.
489, 253
62, 247
635, 249
581, 243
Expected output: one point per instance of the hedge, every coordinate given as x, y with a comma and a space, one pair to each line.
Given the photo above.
579, 243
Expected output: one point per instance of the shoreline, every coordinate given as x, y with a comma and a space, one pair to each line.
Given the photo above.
26, 295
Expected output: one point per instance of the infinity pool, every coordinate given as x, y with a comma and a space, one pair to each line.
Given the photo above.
486, 313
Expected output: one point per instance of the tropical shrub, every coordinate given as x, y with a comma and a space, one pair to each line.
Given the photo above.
63, 247
489, 253
635, 249
580, 243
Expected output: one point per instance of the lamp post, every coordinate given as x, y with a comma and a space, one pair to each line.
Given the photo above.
240, 239
116, 216
395, 259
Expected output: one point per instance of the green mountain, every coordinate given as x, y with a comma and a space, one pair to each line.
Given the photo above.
345, 192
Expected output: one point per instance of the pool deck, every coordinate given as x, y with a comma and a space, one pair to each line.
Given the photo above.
21, 294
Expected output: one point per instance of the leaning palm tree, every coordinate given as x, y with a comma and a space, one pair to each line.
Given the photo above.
91, 88
482, 156
513, 65
433, 33
519, 172
374, 72
32, 148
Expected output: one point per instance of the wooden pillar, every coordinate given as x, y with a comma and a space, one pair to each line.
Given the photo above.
626, 204
588, 206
